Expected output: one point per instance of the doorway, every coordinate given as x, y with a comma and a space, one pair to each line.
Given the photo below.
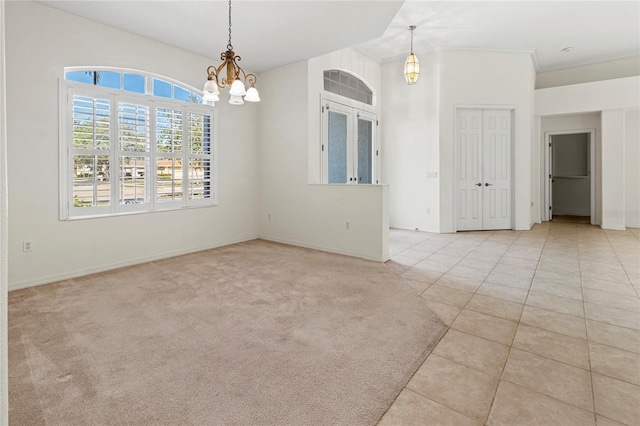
483, 169
570, 167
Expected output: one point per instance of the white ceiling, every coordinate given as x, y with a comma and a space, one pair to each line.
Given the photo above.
265, 33
597, 30
268, 34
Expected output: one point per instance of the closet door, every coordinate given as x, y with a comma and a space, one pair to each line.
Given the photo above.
469, 158
496, 169
483, 168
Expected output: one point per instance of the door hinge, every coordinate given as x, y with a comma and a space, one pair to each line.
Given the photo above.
549, 176
549, 143
323, 108
377, 152
549, 207
323, 148
377, 122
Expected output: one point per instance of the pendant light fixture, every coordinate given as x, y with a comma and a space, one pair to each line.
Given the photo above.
235, 77
411, 65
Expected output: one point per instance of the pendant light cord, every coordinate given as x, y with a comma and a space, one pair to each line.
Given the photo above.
229, 46
412, 27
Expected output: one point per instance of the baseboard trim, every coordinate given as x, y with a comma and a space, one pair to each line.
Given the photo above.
571, 213
82, 272
321, 248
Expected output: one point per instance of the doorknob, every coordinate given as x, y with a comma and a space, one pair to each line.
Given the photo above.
478, 184
488, 184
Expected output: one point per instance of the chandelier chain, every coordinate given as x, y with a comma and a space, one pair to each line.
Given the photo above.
229, 46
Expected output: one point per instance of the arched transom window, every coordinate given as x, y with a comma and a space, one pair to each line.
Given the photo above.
344, 84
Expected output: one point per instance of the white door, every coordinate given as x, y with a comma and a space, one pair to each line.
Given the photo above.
338, 125
469, 197
496, 169
349, 150
483, 169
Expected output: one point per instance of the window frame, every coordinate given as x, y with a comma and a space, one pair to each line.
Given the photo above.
67, 89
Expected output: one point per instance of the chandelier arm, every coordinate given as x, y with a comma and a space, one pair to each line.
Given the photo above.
221, 81
251, 79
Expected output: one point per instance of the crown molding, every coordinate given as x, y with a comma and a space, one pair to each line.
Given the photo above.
583, 63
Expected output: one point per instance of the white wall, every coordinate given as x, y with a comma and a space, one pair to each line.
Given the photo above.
40, 41
487, 79
4, 360
292, 210
588, 97
410, 145
612, 98
632, 168
613, 169
559, 123
418, 133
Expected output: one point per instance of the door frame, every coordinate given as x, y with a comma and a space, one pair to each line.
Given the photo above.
547, 170
456, 152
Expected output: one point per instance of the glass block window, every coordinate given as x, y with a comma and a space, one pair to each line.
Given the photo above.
344, 84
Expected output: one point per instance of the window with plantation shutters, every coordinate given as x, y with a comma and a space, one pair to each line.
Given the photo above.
124, 152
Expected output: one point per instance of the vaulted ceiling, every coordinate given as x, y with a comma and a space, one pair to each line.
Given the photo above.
268, 34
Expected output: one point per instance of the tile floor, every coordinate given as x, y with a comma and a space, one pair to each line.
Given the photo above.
544, 326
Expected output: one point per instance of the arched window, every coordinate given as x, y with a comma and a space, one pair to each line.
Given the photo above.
133, 142
344, 84
134, 81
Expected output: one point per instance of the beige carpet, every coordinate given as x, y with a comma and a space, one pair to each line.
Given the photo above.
251, 334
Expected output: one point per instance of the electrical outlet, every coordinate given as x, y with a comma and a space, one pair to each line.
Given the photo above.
347, 226
26, 246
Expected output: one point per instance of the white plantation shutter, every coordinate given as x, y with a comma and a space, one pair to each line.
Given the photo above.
200, 158
89, 161
169, 156
129, 153
133, 155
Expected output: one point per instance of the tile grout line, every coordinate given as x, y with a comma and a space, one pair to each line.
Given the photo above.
584, 309
621, 265
449, 326
509, 346
579, 237
493, 400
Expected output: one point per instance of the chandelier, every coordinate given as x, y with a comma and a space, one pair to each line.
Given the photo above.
235, 77
411, 65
